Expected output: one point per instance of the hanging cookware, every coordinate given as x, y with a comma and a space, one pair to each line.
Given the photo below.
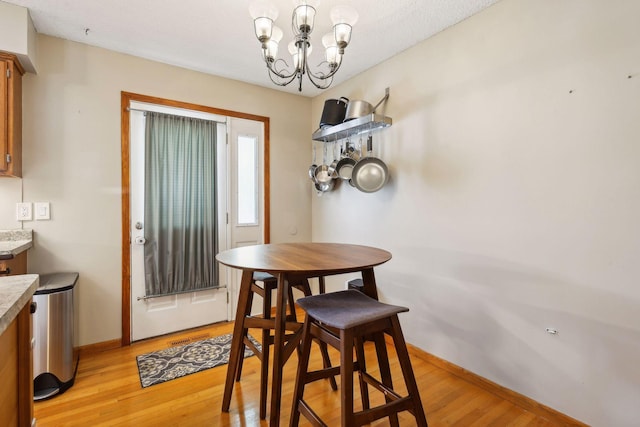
344, 168
358, 108
322, 187
312, 168
333, 167
333, 112
321, 173
370, 174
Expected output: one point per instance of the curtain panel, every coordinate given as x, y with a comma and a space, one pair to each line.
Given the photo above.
180, 204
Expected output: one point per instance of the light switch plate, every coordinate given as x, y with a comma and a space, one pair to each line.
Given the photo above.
42, 210
24, 212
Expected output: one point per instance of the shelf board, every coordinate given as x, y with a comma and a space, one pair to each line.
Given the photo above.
352, 127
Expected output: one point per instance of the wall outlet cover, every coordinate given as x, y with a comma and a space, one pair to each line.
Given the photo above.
24, 212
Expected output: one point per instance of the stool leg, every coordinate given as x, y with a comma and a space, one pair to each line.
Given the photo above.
385, 370
407, 372
346, 377
301, 376
364, 388
326, 361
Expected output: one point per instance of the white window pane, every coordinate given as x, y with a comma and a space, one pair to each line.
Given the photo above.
247, 180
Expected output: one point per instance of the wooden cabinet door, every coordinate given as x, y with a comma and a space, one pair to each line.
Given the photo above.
10, 115
4, 116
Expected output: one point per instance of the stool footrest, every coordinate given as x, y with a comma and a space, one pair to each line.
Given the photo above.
252, 347
370, 415
388, 392
322, 374
256, 322
310, 415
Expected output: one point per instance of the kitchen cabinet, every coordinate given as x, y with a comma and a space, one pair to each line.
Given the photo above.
16, 354
13, 264
16, 371
10, 115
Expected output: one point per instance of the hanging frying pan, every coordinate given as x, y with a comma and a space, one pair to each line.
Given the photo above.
369, 174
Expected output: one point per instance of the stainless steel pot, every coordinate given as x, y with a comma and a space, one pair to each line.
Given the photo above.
370, 174
357, 108
323, 187
322, 174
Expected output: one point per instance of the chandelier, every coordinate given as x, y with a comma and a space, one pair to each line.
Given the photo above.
264, 15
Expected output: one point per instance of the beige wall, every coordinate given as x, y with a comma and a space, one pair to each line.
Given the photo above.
514, 199
72, 159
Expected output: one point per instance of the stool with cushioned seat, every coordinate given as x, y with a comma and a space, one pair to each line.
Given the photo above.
344, 320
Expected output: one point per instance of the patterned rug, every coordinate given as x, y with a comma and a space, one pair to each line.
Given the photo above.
175, 362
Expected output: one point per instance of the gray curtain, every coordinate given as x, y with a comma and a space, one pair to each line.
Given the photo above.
180, 204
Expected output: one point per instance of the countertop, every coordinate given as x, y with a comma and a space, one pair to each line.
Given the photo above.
13, 242
15, 293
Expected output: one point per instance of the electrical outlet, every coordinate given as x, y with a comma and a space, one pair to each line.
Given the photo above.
24, 212
42, 210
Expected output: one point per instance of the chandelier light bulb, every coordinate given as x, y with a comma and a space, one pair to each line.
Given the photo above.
343, 18
331, 52
263, 28
333, 56
271, 50
303, 17
342, 34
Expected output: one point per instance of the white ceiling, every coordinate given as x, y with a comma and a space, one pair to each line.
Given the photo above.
216, 36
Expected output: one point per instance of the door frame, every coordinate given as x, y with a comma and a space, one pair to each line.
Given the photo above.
125, 99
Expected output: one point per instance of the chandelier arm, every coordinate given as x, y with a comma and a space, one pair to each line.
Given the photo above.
285, 83
271, 66
322, 76
327, 80
285, 78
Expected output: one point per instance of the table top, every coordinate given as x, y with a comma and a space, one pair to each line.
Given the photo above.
307, 258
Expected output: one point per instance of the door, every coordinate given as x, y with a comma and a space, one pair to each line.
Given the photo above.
246, 195
161, 315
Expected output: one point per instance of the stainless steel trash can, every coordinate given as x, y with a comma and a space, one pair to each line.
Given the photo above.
54, 364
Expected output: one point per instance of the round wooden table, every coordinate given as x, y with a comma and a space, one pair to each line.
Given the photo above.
289, 262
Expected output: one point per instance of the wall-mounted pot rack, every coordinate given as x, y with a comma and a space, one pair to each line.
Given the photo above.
352, 127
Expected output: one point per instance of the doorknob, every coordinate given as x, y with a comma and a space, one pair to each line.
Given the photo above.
140, 240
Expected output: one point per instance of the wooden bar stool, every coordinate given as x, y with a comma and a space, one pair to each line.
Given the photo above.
343, 320
264, 284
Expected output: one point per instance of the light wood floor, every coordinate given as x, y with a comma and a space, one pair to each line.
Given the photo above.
107, 392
